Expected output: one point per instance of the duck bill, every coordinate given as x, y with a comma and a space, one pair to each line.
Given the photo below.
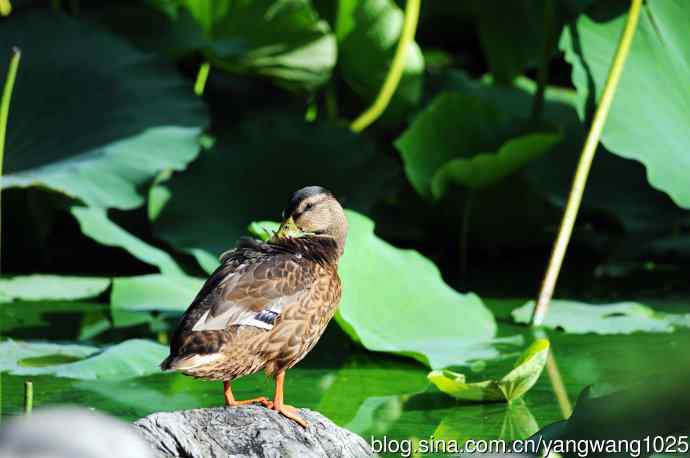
288, 228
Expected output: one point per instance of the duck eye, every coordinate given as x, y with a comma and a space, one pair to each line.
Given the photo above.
309, 206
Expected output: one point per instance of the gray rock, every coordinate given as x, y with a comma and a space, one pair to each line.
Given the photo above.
247, 431
70, 432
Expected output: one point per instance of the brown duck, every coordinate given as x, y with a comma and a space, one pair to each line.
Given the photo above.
268, 303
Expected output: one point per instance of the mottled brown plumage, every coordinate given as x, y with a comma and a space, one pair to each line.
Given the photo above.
268, 303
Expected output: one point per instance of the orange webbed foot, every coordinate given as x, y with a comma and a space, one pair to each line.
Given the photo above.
291, 413
260, 400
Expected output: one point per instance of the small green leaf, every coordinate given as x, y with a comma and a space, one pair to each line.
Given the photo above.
512, 386
488, 168
263, 229
619, 318
526, 372
39, 287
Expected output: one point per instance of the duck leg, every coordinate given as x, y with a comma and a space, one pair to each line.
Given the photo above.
282, 408
232, 402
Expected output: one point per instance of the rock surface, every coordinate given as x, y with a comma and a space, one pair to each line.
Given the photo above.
247, 431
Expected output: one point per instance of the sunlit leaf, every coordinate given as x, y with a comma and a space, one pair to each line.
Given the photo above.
131, 358
513, 385
97, 128
651, 109
154, 292
396, 301
12, 353
618, 318
39, 287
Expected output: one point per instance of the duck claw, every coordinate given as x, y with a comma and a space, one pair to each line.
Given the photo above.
291, 413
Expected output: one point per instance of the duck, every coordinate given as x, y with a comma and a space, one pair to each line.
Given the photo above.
268, 303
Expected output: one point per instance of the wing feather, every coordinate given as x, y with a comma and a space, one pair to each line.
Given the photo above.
255, 294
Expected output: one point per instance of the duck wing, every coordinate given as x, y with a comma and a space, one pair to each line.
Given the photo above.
253, 292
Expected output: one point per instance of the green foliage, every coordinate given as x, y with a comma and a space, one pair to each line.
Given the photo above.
368, 33
39, 287
487, 169
651, 111
114, 146
154, 292
94, 223
284, 40
13, 353
621, 318
654, 407
454, 125
252, 170
111, 158
132, 358
510, 387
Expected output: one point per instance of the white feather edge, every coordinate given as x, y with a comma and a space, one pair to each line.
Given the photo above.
205, 324
197, 361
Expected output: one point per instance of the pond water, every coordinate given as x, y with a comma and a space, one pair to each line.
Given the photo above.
369, 393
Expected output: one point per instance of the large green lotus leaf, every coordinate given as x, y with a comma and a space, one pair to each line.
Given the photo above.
94, 223
39, 287
131, 358
650, 113
17, 357
619, 318
154, 292
455, 125
513, 385
281, 39
368, 32
486, 169
250, 173
396, 301
91, 116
